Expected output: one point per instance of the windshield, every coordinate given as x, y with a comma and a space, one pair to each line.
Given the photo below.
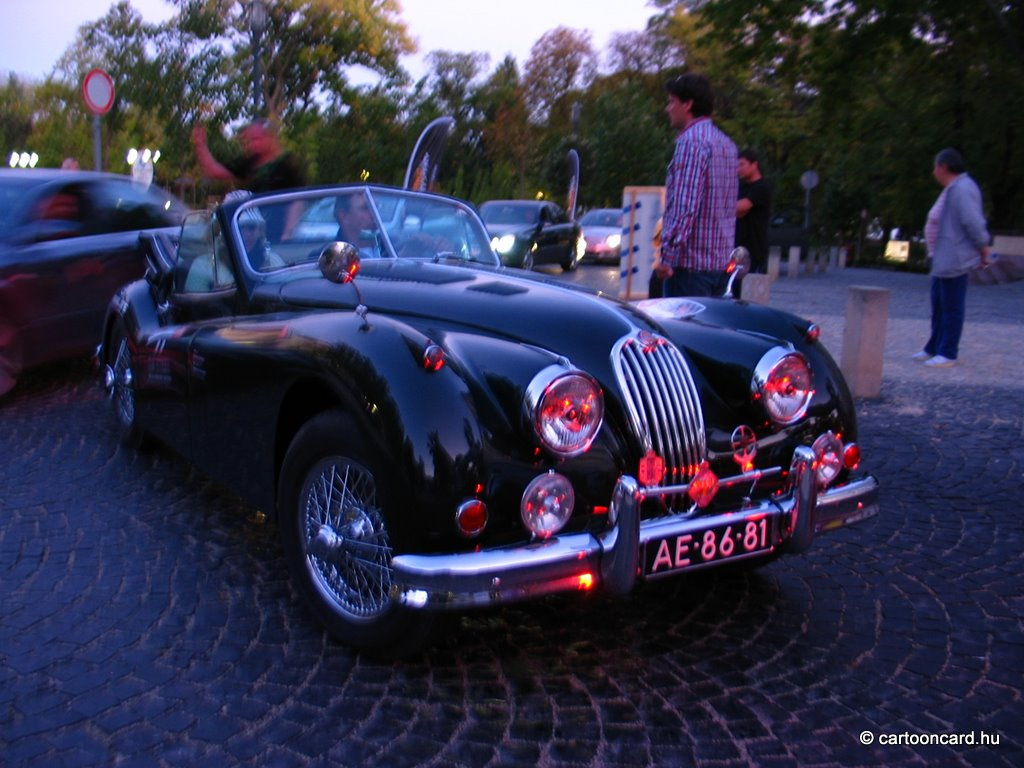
602, 217
286, 230
509, 212
13, 193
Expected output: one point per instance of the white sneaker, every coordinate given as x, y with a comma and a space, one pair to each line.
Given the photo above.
922, 355
939, 362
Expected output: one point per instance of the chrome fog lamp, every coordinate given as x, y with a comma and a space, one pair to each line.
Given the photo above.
828, 458
784, 384
547, 504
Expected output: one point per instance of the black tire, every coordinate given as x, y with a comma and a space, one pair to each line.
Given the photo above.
336, 540
122, 389
571, 264
10, 357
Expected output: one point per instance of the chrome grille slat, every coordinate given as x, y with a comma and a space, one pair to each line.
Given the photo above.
662, 402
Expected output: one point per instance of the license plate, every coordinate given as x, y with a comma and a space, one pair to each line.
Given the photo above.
745, 537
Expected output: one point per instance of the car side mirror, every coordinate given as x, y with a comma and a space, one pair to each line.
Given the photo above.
339, 262
738, 267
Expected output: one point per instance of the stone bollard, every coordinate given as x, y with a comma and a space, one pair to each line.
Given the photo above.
833, 257
773, 264
867, 312
810, 264
794, 261
756, 288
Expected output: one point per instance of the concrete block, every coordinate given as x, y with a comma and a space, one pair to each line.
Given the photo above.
867, 313
794, 261
773, 264
756, 288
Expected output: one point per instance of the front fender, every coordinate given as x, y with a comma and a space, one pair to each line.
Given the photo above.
422, 423
132, 306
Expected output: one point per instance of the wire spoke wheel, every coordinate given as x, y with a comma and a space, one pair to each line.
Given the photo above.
346, 544
336, 538
123, 392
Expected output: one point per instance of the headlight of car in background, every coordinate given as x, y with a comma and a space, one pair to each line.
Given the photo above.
565, 408
503, 244
784, 384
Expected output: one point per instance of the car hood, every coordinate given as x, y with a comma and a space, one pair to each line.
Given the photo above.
530, 309
519, 230
601, 232
523, 308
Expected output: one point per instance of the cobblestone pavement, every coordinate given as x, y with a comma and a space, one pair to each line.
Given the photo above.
147, 621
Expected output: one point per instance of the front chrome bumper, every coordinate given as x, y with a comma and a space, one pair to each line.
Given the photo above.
611, 560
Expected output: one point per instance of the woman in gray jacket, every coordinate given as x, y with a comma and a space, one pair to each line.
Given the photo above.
958, 242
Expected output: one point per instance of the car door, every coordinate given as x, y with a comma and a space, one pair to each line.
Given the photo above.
71, 259
553, 242
200, 300
58, 301
206, 357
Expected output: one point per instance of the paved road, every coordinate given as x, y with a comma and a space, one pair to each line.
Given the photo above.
146, 619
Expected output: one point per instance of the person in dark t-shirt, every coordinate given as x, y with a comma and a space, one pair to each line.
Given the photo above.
753, 209
264, 166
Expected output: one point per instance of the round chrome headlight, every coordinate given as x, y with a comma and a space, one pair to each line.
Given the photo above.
784, 384
566, 408
547, 504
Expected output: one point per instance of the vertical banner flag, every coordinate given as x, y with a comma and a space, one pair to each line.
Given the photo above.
425, 161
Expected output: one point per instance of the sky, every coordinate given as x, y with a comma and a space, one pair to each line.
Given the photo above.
36, 33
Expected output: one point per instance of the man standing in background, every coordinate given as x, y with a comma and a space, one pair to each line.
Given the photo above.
700, 194
958, 242
753, 210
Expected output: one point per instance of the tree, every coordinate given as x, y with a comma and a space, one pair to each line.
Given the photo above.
451, 88
16, 106
562, 62
507, 136
309, 44
873, 88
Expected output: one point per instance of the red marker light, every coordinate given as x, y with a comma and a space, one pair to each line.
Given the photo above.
433, 357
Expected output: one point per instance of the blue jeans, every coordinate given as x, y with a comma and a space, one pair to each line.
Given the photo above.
690, 282
949, 308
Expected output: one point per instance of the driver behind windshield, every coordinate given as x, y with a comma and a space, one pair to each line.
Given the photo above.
356, 224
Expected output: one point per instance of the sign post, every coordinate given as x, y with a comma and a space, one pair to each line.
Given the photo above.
808, 180
98, 92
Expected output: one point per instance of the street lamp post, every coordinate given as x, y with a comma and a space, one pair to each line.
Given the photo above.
257, 25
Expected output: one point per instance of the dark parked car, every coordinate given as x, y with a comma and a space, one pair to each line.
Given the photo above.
68, 241
786, 229
528, 233
433, 431
602, 234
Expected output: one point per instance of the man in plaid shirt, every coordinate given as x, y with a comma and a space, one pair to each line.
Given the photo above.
700, 194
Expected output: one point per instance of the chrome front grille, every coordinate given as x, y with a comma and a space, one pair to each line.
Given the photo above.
662, 402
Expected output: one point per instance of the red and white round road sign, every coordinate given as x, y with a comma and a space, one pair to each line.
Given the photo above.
98, 90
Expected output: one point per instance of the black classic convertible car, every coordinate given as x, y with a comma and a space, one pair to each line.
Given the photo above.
434, 431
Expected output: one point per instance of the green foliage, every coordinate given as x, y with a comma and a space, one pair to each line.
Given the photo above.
864, 92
